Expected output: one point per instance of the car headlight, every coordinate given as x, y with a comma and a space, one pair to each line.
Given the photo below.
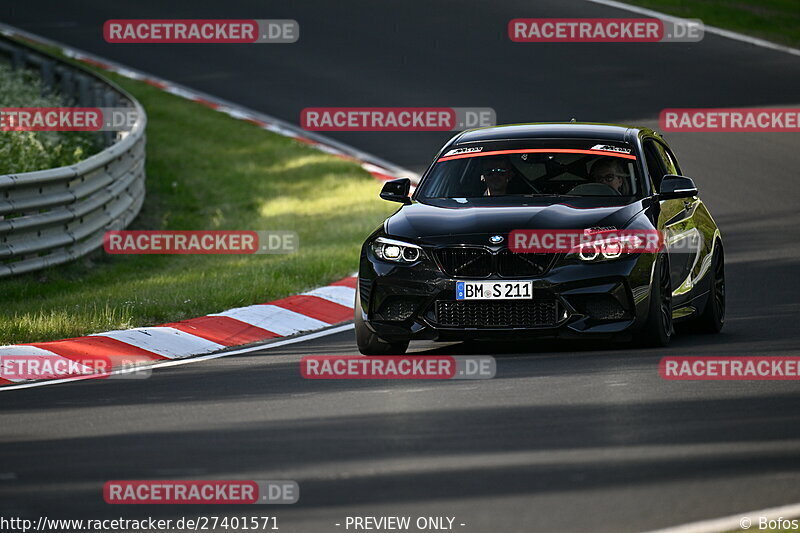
608, 248
396, 251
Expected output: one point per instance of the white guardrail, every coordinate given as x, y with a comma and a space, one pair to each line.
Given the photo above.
49, 217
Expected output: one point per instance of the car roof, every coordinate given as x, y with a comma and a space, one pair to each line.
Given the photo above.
542, 130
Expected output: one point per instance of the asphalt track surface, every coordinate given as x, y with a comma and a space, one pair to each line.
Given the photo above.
566, 437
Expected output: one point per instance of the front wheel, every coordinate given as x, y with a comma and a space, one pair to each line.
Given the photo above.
713, 317
368, 342
658, 328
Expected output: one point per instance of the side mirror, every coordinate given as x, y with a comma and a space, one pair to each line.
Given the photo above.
397, 190
673, 186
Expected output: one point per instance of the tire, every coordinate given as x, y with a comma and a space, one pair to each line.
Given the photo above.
713, 317
368, 342
658, 329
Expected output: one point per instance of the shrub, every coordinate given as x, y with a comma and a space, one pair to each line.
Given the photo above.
26, 151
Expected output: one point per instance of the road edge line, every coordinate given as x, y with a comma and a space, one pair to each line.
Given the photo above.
734, 522
729, 34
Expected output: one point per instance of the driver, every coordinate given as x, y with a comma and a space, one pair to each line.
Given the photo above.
610, 171
496, 173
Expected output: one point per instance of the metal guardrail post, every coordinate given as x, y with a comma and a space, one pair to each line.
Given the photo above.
47, 77
84, 90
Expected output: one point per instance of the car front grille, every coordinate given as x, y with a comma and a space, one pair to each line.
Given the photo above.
510, 264
497, 314
465, 262
474, 262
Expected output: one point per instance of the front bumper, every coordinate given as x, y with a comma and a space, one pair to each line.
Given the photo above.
595, 300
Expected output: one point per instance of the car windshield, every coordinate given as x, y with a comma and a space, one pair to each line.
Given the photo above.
595, 169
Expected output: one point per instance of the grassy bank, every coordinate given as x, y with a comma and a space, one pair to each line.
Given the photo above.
205, 171
774, 20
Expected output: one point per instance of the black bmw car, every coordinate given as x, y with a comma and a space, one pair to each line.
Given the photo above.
442, 267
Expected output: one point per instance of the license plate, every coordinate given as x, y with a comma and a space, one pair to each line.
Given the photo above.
494, 290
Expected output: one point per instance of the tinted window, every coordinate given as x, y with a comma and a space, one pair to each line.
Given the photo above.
656, 166
533, 171
670, 158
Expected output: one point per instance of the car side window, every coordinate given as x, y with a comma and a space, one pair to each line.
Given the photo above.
667, 159
655, 163
673, 162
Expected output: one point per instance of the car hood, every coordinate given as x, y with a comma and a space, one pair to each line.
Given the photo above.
445, 219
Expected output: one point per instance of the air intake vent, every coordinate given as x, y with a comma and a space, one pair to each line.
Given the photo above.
398, 308
598, 306
497, 314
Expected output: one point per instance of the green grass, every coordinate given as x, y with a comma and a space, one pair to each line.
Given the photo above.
774, 20
205, 171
